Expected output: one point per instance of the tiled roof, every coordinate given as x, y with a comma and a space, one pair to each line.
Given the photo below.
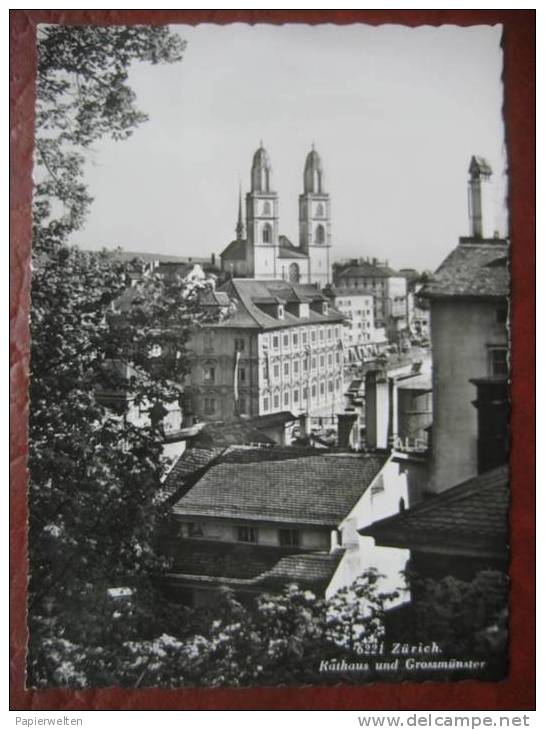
304, 569
472, 270
191, 462
222, 559
470, 515
247, 292
259, 566
368, 270
223, 434
235, 251
281, 487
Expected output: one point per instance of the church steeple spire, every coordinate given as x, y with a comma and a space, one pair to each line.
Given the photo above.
240, 224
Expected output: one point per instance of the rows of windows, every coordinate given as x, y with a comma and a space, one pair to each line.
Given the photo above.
302, 338
298, 367
300, 395
285, 537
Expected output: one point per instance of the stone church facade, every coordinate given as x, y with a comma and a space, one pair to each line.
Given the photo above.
260, 251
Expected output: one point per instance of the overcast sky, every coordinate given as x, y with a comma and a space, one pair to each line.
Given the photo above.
394, 112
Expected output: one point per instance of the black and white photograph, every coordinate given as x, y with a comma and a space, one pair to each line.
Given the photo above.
269, 395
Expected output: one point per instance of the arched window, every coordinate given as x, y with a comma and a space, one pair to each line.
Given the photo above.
266, 208
320, 234
320, 212
267, 233
294, 273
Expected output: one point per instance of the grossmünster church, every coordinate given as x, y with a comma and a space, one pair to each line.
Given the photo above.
260, 251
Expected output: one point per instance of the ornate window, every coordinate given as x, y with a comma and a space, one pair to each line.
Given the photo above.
320, 212
294, 273
266, 208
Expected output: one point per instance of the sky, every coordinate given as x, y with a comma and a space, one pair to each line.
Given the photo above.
395, 113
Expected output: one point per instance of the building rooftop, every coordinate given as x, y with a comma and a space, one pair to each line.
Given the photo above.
346, 291
222, 434
235, 251
368, 270
476, 269
260, 567
250, 293
471, 516
279, 485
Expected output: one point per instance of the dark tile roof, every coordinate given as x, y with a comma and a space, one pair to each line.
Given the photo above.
309, 568
472, 269
368, 270
222, 559
191, 463
212, 297
249, 292
281, 487
223, 434
471, 515
259, 566
235, 251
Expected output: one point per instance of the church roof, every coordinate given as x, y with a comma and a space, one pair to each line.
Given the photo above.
235, 251
261, 158
313, 160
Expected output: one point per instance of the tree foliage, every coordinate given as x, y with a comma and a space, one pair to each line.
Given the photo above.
93, 476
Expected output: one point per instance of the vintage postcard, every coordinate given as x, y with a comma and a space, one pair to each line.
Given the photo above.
270, 369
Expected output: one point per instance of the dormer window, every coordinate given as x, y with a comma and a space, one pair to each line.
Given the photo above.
325, 307
280, 311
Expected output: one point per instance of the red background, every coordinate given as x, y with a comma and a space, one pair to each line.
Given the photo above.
518, 690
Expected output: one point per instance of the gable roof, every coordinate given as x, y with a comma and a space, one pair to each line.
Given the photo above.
471, 516
472, 269
248, 293
277, 485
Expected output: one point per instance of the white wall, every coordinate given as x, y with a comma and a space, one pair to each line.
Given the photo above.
398, 479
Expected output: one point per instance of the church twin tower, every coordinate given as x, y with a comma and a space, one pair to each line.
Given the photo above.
267, 253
